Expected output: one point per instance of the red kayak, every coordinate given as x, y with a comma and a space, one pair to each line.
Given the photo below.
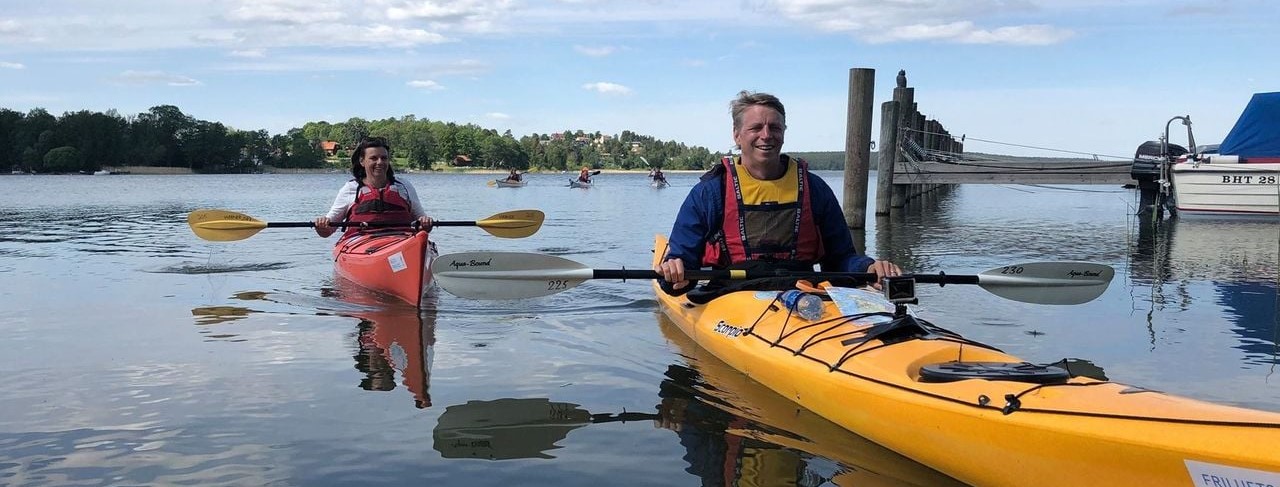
395, 262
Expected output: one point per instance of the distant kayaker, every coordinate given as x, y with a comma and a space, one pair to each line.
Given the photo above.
656, 175
513, 176
374, 194
780, 215
584, 176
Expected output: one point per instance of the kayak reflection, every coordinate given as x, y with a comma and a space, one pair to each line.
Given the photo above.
734, 431
396, 341
767, 434
393, 339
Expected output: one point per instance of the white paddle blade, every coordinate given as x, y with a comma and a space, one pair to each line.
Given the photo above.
506, 275
1048, 282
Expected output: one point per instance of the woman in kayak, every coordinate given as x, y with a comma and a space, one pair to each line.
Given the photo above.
762, 208
374, 194
513, 176
584, 175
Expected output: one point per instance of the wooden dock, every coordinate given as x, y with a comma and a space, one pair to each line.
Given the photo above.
1047, 171
918, 155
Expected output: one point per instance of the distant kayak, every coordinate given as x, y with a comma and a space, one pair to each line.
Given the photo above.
574, 183
504, 183
660, 183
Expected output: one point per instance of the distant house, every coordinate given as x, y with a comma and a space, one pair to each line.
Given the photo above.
462, 160
330, 147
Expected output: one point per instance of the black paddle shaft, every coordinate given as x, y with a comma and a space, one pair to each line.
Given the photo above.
702, 275
413, 224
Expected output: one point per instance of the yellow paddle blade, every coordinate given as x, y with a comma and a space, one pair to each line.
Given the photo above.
223, 225
513, 224
492, 182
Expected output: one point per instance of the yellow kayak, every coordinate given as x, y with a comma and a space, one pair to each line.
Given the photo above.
959, 407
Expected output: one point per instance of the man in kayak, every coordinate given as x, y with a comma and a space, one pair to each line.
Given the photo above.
513, 176
762, 208
656, 175
374, 194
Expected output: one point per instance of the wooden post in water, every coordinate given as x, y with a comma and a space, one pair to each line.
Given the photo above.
888, 155
857, 145
905, 99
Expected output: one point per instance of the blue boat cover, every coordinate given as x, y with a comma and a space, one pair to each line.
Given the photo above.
1257, 132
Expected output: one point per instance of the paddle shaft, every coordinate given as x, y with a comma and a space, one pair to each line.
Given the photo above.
702, 275
370, 224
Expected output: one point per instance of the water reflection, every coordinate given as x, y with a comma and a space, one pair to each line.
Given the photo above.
396, 341
734, 431
1239, 263
739, 426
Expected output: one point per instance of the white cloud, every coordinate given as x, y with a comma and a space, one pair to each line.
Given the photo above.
155, 77
396, 36
425, 84
249, 53
286, 12
9, 65
922, 20
693, 63
966, 33
607, 88
600, 51
498, 116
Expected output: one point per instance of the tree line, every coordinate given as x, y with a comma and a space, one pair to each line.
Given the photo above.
86, 141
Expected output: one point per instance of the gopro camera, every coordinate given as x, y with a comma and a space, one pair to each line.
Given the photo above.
900, 289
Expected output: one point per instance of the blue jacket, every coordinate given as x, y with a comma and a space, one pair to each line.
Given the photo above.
703, 210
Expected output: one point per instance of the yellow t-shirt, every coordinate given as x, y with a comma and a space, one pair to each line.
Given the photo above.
756, 192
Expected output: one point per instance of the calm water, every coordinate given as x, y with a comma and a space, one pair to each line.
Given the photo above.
135, 353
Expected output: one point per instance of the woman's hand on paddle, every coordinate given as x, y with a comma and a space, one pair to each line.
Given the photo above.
322, 227
883, 269
672, 271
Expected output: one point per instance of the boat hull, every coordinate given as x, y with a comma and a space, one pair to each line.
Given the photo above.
1240, 189
574, 183
397, 263
503, 183
981, 431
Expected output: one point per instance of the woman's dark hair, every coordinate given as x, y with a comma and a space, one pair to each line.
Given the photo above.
357, 169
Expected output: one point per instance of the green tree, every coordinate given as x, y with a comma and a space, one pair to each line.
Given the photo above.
63, 159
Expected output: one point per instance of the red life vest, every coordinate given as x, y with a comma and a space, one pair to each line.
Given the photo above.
378, 205
765, 232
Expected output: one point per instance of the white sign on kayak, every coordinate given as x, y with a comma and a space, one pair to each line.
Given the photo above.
1213, 475
397, 262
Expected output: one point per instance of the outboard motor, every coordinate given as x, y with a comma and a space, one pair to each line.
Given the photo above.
1148, 159
1147, 170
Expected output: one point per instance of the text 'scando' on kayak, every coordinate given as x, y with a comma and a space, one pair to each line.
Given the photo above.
394, 262
929, 394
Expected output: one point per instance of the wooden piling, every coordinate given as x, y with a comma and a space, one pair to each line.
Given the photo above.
857, 145
905, 99
888, 155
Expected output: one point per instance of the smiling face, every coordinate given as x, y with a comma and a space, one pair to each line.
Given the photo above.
760, 136
375, 161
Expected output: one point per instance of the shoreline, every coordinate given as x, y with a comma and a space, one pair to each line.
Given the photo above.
165, 171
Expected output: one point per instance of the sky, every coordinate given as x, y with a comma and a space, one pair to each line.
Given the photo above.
1089, 76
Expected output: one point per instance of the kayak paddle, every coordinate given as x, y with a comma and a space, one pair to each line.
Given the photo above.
225, 225
515, 275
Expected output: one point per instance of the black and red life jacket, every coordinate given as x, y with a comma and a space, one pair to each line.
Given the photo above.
768, 232
378, 205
